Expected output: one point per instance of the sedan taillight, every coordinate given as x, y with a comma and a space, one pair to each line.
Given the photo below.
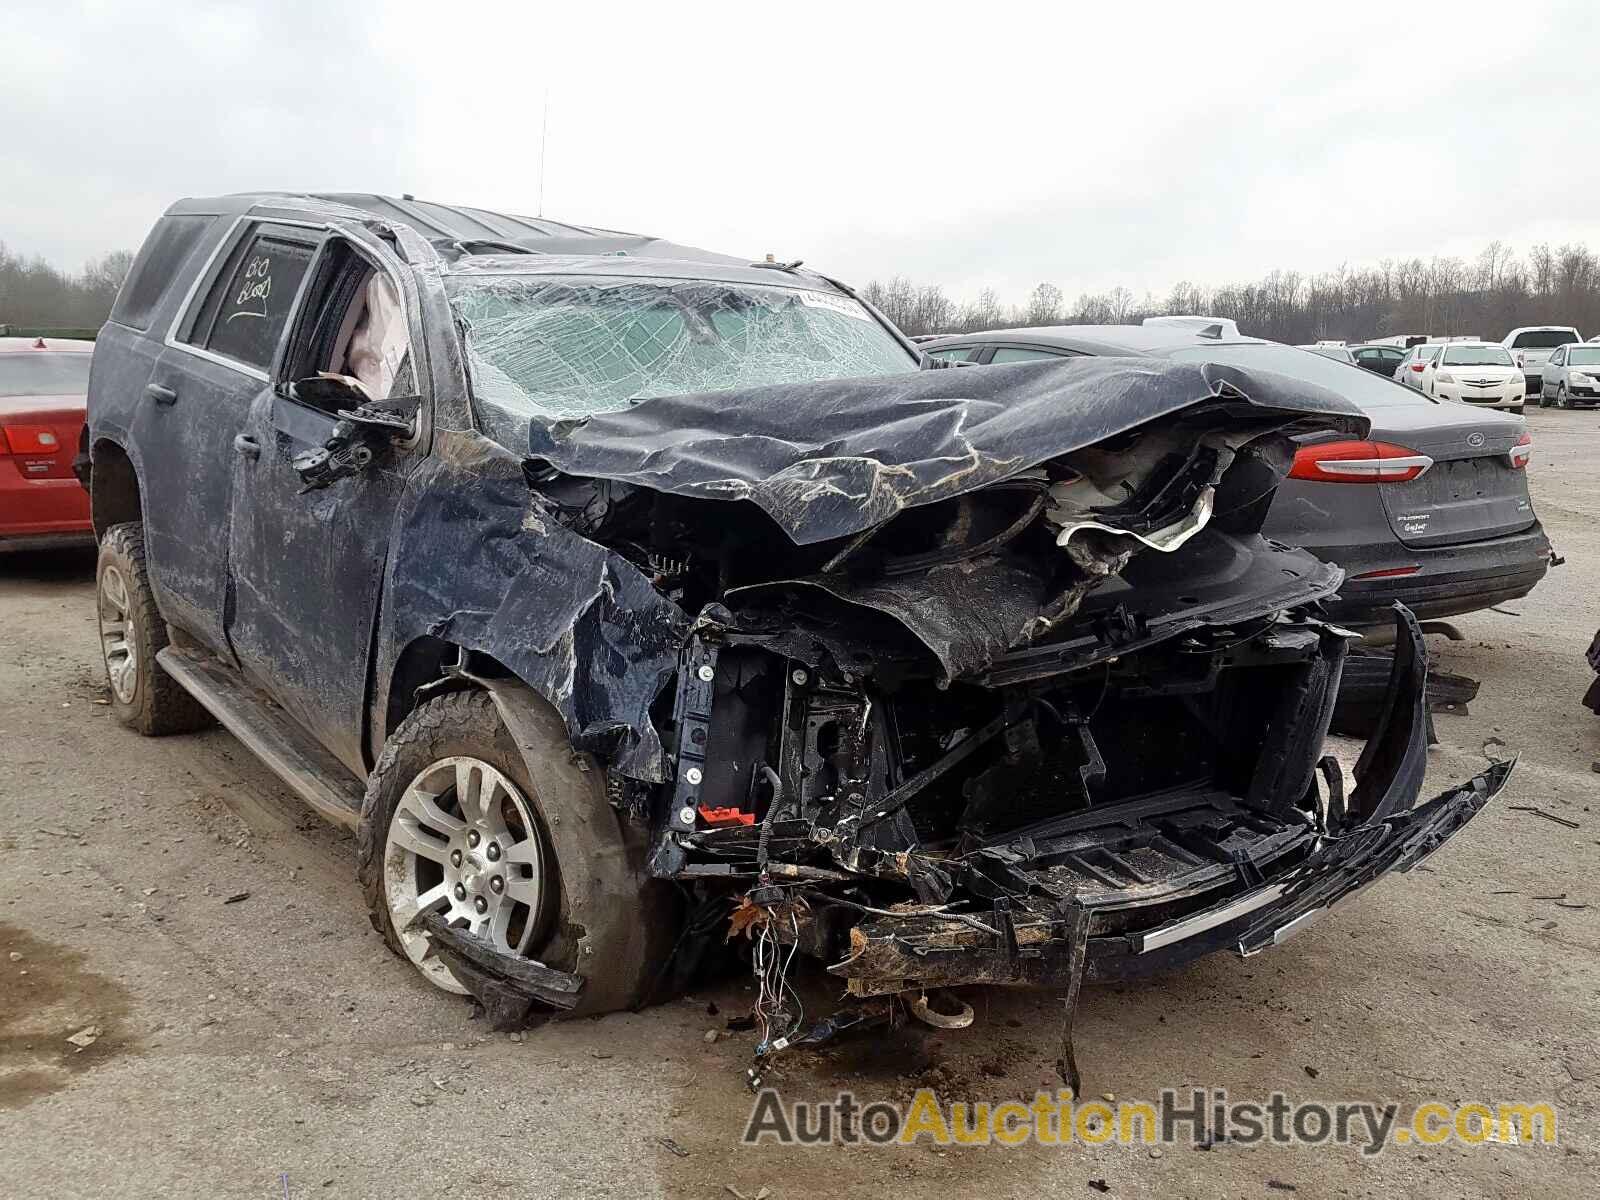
1358, 462
1522, 452
1417, 367
28, 439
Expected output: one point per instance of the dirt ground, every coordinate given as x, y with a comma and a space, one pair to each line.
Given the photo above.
257, 1040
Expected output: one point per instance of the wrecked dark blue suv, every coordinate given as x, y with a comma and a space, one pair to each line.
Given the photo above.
621, 594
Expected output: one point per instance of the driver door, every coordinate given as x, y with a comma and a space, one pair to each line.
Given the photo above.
308, 565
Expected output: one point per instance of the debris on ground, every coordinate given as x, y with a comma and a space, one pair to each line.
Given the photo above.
1365, 683
237, 897
1548, 816
1100, 1185
85, 1037
668, 1144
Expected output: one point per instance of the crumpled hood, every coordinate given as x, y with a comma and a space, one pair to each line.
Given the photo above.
831, 458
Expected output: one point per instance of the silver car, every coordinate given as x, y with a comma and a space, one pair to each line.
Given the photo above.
1409, 372
1571, 378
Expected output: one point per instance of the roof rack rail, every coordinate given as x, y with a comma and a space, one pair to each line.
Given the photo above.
464, 245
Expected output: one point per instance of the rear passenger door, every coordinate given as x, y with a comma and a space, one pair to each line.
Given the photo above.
218, 359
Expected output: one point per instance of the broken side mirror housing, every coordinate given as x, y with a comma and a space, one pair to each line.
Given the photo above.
357, 438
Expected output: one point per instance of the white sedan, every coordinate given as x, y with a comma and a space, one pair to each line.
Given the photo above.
1480, 373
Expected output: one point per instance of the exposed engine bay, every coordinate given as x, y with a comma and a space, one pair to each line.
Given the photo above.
996, 690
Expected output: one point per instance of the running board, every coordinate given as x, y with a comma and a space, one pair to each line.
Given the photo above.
319, 778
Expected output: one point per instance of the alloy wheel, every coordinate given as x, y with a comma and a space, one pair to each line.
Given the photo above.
463, 842
118, 642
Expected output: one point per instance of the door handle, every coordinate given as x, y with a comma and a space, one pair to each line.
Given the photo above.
247, 446
161, 394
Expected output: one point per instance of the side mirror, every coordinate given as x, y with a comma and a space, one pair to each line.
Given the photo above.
358, 437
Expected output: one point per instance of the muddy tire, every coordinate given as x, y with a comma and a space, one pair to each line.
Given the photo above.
454, 821
132, 633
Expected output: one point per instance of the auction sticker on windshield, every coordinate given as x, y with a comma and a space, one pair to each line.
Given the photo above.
842, 305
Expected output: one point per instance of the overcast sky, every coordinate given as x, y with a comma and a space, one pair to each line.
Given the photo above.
979, 145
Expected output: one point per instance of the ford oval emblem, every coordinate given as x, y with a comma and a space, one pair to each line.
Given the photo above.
1475, 440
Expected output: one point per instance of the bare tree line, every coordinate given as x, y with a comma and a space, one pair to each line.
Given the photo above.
1486, 296
34, 293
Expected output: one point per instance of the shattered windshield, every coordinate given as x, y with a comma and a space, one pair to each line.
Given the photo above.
568, 346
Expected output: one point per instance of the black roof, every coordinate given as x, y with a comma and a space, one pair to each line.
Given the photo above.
445, 225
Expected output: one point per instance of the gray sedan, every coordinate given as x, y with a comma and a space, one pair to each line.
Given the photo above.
1431, 510
1572, 377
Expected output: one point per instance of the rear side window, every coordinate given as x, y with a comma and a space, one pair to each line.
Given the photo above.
952, 353
250, 302
1010, 354
160, 259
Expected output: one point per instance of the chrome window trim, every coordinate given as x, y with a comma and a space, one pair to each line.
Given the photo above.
206, 274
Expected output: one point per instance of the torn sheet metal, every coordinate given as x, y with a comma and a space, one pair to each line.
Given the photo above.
480, 564
832, 458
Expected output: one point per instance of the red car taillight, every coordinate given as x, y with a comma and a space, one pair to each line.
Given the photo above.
28, 439
1358, 462
1417, 367
1522, 452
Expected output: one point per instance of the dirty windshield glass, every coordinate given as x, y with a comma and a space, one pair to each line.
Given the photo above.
552, 347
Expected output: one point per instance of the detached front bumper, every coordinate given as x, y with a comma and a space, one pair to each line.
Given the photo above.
1143, 919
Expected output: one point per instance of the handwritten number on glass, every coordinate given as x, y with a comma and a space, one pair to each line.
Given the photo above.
257, 286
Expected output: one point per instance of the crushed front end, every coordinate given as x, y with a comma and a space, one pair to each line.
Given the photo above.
1052, 710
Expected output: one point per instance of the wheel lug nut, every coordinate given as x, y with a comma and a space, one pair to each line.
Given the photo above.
473, 839
481, 904
497, 885
493, 852
461, 892
455, 858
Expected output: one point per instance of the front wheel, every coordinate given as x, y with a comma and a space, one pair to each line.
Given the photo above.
1561, 396
454, 823
1517, 408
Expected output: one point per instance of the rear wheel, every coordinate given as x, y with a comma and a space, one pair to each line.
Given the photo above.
454, 824
132, 633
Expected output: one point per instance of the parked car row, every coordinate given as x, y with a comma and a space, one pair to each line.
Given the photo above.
606, 586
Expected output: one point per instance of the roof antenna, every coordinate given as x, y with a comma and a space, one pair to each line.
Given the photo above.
544, 131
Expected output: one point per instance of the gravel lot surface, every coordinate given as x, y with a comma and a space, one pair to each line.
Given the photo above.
271, 1046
